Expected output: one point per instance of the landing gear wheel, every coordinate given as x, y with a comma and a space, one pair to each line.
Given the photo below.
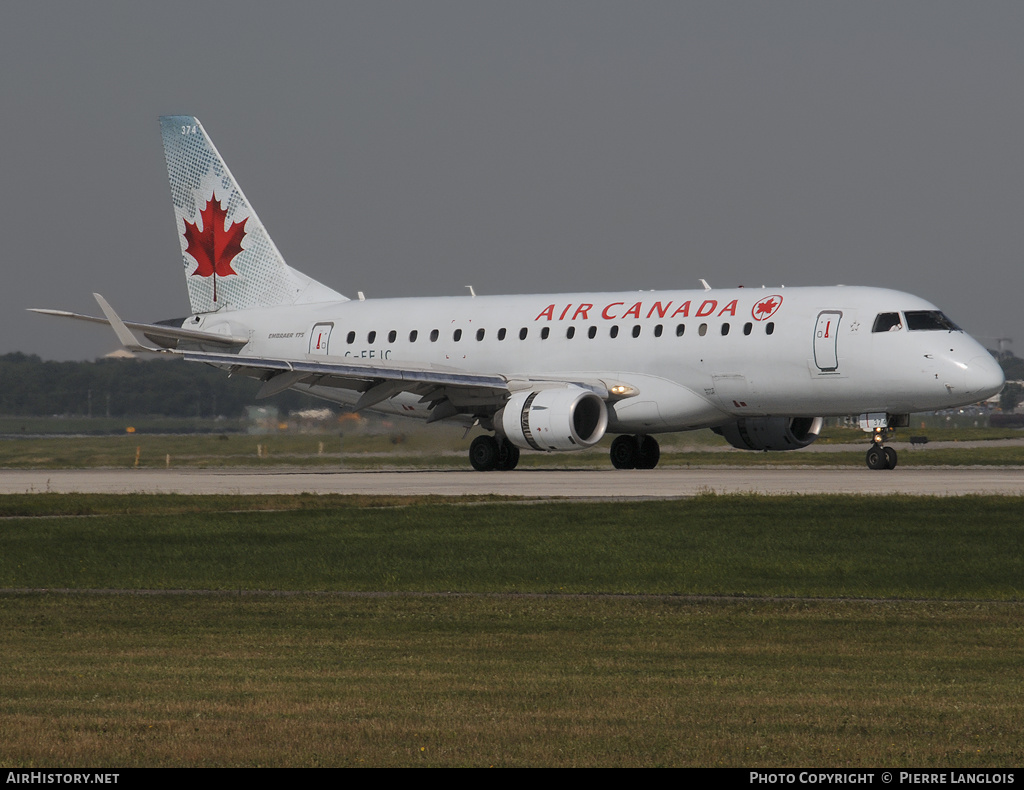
483, 453
876, 458
625, 452
508, 455
650, 453
879, 457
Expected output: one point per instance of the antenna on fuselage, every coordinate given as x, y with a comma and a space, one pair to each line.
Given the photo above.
705, 284
361, 295
471, 291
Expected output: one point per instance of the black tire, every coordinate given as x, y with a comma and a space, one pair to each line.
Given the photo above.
876, 458
650, 453
625, 451
890, 458
483, 453
508, 456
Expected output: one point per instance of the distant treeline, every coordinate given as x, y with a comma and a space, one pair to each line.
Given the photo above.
1013, 367
1013, 393
127, 387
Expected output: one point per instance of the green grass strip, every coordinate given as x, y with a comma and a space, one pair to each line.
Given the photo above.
954, 548
442, 447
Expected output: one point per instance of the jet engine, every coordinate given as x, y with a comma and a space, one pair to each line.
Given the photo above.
771, 433
562, 418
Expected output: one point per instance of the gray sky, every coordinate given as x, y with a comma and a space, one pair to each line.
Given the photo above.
411, 148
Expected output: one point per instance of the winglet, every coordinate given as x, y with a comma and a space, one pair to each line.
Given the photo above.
124, 334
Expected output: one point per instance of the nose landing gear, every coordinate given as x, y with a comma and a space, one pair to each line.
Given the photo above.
882, 426
879, 456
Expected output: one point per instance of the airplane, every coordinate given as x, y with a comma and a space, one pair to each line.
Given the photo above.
553, 372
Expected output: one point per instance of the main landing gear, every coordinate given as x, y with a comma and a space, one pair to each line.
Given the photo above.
879, 456
635, 452
487, 453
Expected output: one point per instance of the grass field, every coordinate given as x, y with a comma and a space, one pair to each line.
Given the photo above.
315, 681
738, 631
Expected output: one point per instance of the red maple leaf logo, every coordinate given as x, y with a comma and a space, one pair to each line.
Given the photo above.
214, 247
766, 307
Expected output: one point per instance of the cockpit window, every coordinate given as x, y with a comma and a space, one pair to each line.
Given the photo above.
887, 322
929, 319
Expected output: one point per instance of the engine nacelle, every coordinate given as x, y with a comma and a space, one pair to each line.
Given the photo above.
562, 418
771, 433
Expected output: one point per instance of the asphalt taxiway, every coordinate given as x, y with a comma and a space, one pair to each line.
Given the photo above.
663, 483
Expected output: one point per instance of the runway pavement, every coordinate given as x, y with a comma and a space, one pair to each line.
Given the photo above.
590, 484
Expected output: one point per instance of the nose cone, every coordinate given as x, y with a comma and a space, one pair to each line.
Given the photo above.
984, 377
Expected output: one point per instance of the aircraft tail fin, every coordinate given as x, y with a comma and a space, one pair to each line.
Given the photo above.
230, 261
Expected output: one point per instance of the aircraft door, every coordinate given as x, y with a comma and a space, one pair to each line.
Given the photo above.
319, 338
826, 331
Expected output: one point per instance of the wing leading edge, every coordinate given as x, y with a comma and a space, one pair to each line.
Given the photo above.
465, 392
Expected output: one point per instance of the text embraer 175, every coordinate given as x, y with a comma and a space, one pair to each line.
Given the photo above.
554, 372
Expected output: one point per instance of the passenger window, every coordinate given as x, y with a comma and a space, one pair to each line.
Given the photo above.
523, 333
480, 334
725, 329
545, 332
680, 329
887, 322
570, 333
747, 327
657, 330
413, 335
592, 332
392, 336
702, 330
434, 334
351, 338
501, 333
769, 328
614, 331
636, 330
371, 337
457, 335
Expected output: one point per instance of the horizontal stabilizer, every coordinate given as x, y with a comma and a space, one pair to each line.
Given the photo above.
154, 331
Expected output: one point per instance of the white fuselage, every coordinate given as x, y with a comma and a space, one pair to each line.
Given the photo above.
695, 358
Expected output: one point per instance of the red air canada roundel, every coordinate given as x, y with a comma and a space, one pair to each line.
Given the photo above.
766, 308
215, 246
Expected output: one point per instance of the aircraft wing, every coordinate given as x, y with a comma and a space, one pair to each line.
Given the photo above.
447, 392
